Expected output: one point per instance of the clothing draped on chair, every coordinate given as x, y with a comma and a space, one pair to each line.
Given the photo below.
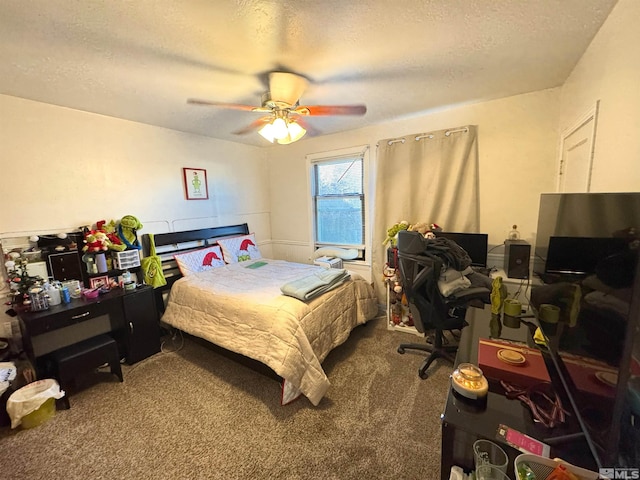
425, 177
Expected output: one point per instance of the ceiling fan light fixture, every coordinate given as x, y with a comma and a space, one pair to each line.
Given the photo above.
280, 129
267, 132
295, 133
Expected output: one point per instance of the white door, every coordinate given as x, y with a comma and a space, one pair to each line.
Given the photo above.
577, 154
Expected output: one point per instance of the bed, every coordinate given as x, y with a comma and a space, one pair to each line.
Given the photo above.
240, 306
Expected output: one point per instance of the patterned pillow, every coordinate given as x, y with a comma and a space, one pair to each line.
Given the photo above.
199, 260
238, 249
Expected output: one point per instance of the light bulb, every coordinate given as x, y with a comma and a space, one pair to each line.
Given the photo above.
295, 133
267, 132
280, 128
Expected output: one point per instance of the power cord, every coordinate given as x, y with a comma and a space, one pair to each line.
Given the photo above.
175, 336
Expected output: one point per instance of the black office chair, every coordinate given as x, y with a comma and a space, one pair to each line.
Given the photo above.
420, 265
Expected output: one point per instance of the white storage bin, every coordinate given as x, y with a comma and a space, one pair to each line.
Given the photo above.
127, 259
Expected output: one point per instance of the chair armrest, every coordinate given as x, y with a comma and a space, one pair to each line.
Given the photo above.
468, 294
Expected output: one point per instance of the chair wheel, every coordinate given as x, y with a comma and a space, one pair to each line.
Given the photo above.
423, 375
400, 350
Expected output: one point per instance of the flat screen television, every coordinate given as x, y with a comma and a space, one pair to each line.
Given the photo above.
585, 216
596, 344
580, 255
475, 244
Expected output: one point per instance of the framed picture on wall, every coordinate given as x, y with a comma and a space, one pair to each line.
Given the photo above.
195, 183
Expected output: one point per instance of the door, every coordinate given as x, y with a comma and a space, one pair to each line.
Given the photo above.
577, 153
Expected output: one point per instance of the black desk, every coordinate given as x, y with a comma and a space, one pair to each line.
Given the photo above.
463, 422
130, 317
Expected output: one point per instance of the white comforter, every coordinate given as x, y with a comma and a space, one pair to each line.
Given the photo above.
243, 310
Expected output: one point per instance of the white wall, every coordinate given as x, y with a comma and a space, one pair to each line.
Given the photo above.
61, 169
517, 149
64, 168
609, 71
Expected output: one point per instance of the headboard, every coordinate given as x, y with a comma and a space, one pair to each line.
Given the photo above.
168, 244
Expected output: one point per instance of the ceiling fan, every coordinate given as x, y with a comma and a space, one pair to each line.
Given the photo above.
285, 121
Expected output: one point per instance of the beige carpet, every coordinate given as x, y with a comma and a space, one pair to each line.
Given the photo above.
195, 413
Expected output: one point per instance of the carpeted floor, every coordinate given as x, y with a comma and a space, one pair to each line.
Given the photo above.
194, 413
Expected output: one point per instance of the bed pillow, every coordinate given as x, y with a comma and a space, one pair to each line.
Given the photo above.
199, 260
239, 249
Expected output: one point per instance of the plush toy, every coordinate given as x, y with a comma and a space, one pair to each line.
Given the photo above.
110, 231
421, 228
127, 231
95, 242
393, 232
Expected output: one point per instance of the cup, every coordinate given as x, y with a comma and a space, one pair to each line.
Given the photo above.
54, 296
549, 313
101, 262
488, 454
489, 472
39, 299
512, 307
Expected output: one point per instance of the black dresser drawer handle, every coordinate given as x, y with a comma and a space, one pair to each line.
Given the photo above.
75, 317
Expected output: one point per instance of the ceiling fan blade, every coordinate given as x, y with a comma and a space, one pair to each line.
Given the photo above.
253, 126
233, 106
286, 87
318, 110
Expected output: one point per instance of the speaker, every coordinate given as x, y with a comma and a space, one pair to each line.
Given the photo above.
516, 258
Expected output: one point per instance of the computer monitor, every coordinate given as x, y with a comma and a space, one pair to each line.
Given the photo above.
475, 244
580, 255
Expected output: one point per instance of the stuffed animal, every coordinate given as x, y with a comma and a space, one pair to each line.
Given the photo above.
393, 232
421, 227
110, 230
95, 242
127, 231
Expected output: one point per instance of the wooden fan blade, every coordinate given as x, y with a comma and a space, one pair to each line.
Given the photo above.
318, 110
253, 126
233, 106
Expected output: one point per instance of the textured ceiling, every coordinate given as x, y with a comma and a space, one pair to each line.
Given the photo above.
141, 59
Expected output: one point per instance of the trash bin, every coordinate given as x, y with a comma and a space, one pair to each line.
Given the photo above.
34, 404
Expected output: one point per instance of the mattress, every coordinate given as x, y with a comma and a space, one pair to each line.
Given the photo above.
240, 307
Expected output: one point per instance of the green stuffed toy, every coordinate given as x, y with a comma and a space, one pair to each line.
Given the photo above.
127, 231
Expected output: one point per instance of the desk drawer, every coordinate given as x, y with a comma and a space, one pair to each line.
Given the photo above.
41, 324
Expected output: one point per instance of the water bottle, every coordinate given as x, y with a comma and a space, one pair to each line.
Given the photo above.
64, 293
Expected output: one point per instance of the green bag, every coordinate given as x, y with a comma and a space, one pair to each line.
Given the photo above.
152, 267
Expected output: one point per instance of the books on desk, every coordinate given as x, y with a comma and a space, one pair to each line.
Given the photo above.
527, 368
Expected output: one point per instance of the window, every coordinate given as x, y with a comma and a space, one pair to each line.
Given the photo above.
338, 200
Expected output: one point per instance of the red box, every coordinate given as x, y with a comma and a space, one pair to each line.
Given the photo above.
531, 372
